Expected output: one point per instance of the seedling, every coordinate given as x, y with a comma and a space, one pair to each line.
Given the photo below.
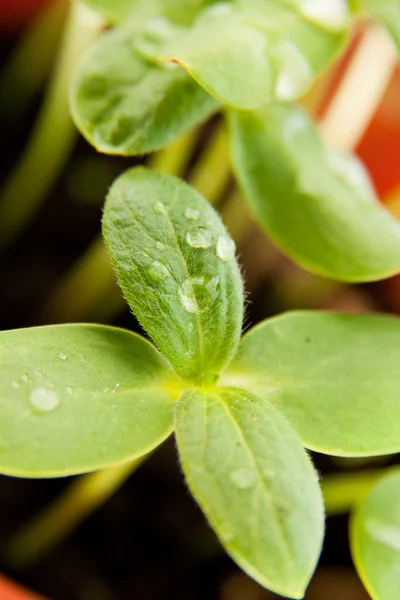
76, 398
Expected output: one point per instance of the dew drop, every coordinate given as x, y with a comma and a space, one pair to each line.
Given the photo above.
190, 327
200, 238
159, 208
192, 214
115, 389
157, 271
24, 378
160, 246
332, 14
198, 294
225, 248
243, 479
44, 399
384, 533
351, 172
62, 356
294, 74
15, 385
69, 391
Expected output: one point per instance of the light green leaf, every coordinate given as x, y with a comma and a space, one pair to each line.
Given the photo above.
76, 398
335, 378
317, 204
176, 266
375, 538
246, 53
388, 13
124, 104
255, 483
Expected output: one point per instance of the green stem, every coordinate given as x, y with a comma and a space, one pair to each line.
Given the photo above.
343, 491
57, 521
53, 135
30, 62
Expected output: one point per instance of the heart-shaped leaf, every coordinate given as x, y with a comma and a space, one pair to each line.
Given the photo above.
334, 377
124, 104
375, 538
317, 204
176, 266
255, 483
76, 398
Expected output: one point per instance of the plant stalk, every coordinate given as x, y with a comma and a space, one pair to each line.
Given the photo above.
50, 527
54, 133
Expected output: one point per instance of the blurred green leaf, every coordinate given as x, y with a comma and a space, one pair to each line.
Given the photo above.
317, 204
246, 53
176, 266
335, 378
255, 483
375, 538
76, 398
123, 104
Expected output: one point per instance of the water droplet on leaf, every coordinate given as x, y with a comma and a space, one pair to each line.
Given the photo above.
157, 271
160, 246
243, 479
293, 73
44, 399
159, 208
200, 238
225, 248
198, 294
24, 378
192, 214
62, 356
15, 385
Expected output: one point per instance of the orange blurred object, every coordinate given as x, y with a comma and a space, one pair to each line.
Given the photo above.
380, 146
11, 591
15, 14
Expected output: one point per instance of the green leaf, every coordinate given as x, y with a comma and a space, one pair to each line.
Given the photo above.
317, 204
123, 104
255, 483
76, 398
180, 11
335, 378
388, 13
375, 538
247, 53
176, 266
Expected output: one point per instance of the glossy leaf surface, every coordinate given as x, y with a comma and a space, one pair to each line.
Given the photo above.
75, 398
123, 104
255, 483
317, 204
246, 53
176, 266
375, 538
334, 377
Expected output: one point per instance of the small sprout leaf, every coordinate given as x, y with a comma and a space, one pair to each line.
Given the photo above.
317, 204
255, 483
187, 298
108, 401
124, 104
335, 378
249, 52
375, 538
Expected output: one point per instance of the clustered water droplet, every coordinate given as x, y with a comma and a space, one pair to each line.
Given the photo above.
63, 356
192, 214
200, 238
44, 399
225, 248
243, 479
